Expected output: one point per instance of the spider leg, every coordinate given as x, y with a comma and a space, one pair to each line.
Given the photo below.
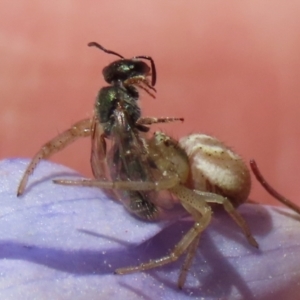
162, 184
234, 214
271, 190
191, 251
177, 251
201, 212
79, 129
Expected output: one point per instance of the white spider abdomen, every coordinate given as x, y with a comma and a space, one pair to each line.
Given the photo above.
216, 168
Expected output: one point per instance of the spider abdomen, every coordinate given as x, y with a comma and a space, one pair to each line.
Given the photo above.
216, 168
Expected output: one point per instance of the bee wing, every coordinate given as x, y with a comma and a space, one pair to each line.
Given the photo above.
129, 158
98, 152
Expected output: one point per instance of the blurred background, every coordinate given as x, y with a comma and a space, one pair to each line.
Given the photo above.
230, 68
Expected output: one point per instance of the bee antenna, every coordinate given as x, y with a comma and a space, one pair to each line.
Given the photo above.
94, 44
153, 69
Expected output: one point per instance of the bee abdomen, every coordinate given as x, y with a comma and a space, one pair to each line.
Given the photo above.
141, 207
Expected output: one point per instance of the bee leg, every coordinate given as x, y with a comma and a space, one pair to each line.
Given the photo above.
153, 120
142, 83
145, 88
79, 129
234, 214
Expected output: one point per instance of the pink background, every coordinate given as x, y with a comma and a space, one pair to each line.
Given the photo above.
230, 68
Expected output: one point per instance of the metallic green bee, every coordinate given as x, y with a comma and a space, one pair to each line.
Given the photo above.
117, 120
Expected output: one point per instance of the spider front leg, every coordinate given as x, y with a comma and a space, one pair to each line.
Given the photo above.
79, 129
162, 184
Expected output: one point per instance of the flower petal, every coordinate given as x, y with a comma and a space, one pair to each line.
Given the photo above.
61, 242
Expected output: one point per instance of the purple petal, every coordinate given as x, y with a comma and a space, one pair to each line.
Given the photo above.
62, 242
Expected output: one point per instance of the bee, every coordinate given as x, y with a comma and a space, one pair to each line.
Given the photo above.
117, 119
